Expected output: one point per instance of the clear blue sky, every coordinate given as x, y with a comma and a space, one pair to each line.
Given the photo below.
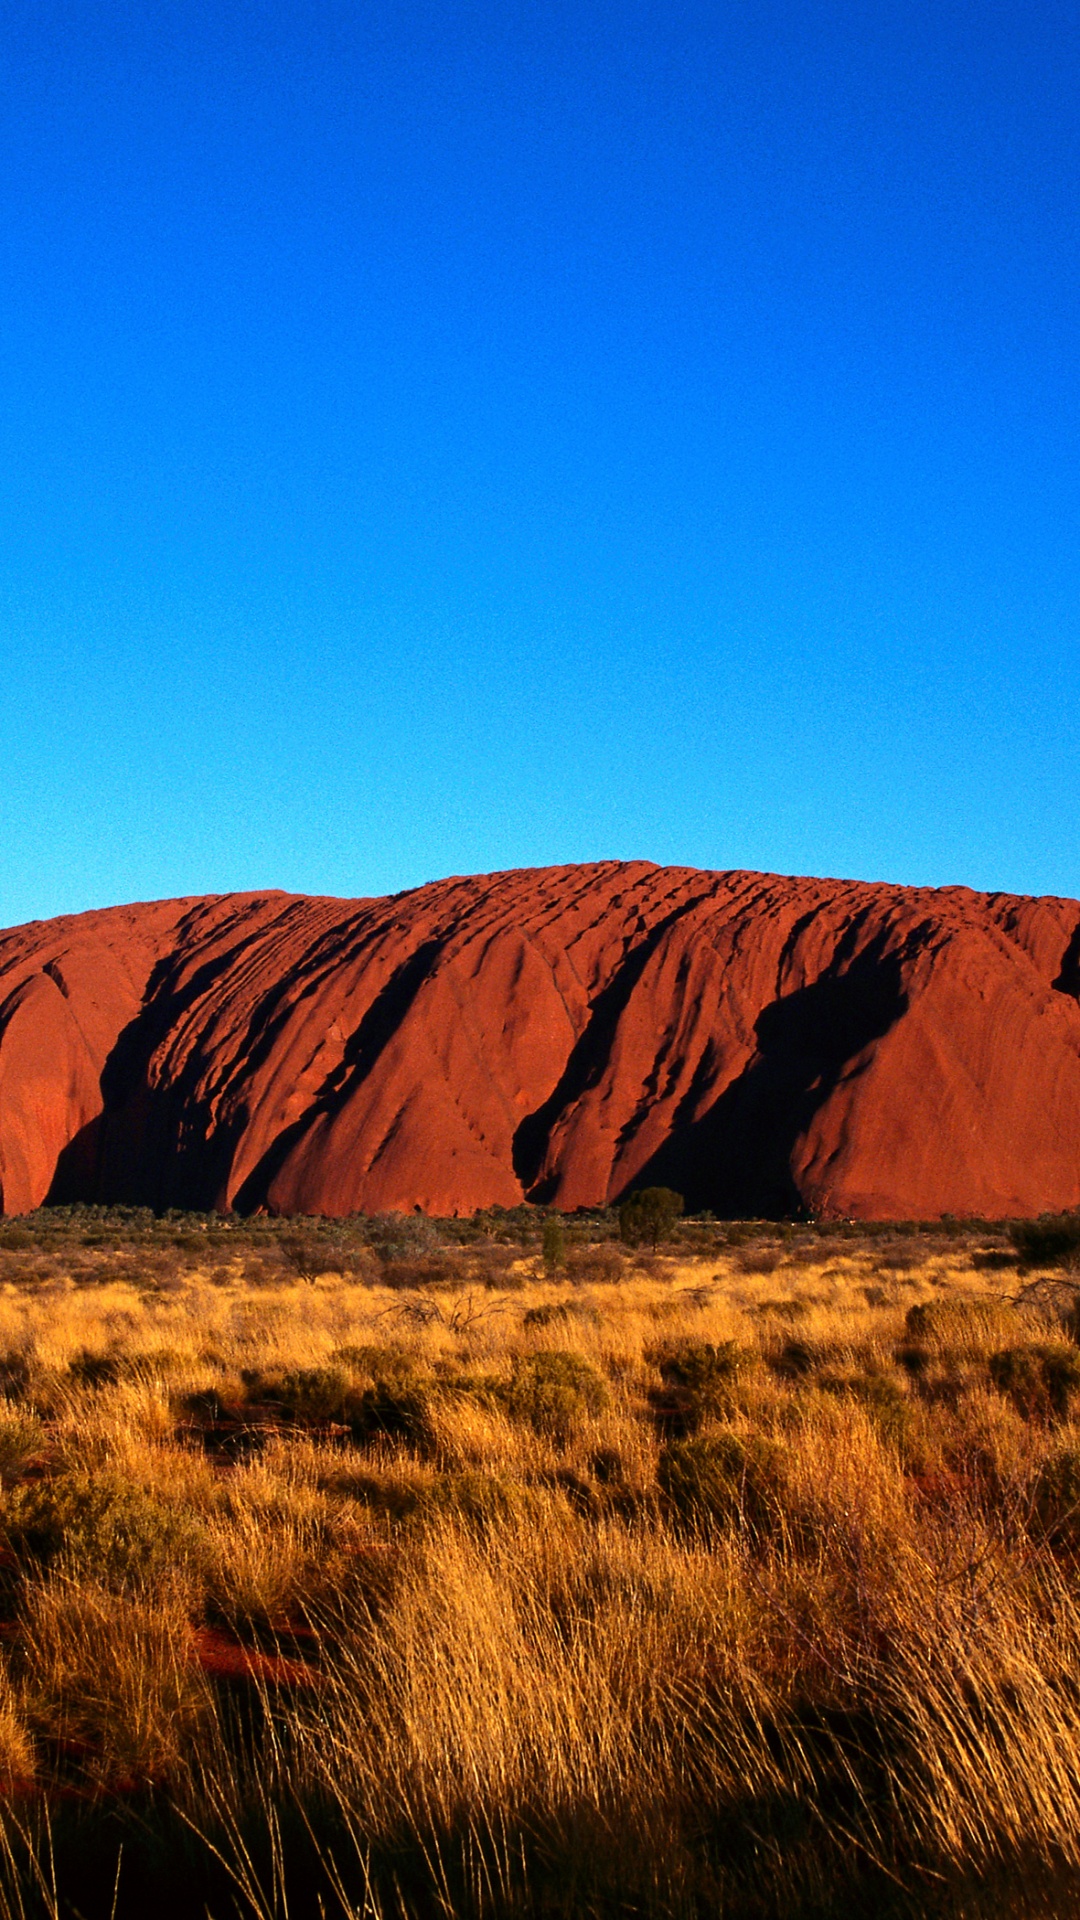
438, 438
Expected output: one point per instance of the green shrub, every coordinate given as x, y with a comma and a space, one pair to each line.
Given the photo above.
727, 1479
22, 1439
554, 1244
1040, 1381
104, 1525
478, 1499
555, 1392
883, 1397
956, 1329
394, 1403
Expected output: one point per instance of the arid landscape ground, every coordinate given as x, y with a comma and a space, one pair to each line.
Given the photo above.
401, 1567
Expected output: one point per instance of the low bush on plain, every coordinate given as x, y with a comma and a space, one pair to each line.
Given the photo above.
556, 1392
104, 1525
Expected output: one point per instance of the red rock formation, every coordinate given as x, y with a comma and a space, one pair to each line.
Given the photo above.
760, 1043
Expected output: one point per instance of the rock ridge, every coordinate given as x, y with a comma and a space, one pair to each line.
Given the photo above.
763, 1043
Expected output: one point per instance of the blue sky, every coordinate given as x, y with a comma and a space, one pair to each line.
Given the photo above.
437, 439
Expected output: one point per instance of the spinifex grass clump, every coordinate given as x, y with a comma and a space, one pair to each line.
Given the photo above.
396, 1569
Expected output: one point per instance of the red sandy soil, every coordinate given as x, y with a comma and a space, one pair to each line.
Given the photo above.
560, 1034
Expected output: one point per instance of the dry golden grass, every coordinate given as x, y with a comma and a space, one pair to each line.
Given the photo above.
735, 1587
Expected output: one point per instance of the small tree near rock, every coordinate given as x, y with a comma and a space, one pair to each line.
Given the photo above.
648, 1217
554, 1244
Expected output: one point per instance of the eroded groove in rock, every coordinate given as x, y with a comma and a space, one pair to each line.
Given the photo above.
759, 1042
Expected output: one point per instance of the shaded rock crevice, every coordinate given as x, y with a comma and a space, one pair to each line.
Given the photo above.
587, 1060
361, 1051
737, 1158
1068, 979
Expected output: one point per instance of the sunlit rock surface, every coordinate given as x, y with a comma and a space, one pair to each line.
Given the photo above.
763, 1044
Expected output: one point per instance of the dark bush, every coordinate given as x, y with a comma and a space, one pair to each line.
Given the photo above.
608, 1465
406, 1274
784, 1309
598, 1266
394, 1404
208, 1406
14, 1375
797, 1358
757, 1260
725, 1479
547, 1315
307, 1256
95, 1369
309, 1396
700, 1378
376, 1362
1051, 1241
395, 1409
406, 1236
1040, 1381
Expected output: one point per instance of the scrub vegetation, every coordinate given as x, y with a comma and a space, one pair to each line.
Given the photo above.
494, 1567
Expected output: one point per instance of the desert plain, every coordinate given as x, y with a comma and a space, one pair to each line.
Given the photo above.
396, 1566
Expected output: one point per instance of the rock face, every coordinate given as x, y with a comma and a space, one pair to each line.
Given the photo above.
562, 1034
